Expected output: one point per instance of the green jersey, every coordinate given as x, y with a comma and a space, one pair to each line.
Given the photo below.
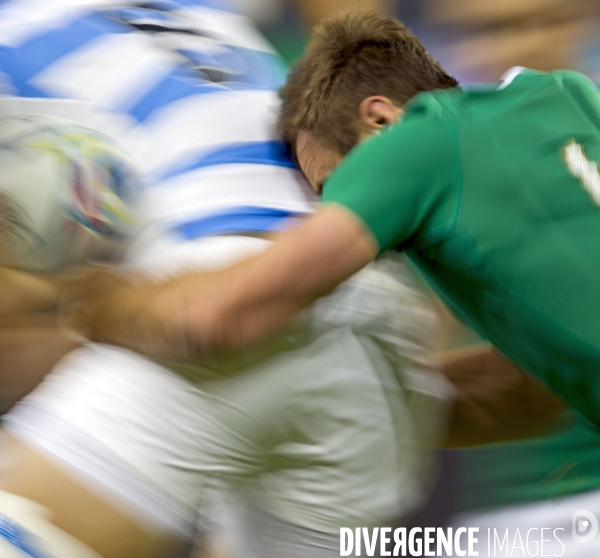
495, 195
549, 467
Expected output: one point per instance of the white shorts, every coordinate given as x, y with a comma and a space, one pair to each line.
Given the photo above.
319, 436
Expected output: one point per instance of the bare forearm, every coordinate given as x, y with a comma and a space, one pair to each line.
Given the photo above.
30, 341
199, 313
26, 292
495, 400
175, 319
30, 346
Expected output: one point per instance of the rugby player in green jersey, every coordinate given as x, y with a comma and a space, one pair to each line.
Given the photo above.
494, 193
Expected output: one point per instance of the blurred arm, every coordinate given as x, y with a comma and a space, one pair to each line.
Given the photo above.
202, 312
495, 401
30, 346
26, 292
30, 341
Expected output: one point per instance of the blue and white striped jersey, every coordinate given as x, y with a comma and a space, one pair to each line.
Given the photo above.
187, 88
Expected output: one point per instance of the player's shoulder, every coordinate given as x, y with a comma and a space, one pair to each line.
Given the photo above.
429, 107
422, 134
562, 91
557, 76
557, 80
428, 120
423, 119
412, 143
577, 86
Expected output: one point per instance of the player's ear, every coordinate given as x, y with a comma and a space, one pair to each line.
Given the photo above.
376, 112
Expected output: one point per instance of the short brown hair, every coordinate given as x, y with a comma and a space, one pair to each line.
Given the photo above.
352, 57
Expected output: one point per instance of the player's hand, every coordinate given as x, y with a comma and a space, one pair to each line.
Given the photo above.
107, 306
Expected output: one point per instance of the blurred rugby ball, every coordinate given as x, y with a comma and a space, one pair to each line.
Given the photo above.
66, 194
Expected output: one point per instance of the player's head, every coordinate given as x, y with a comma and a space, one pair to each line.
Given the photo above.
359, 70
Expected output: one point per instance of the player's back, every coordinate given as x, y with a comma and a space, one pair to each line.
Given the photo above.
188, 89
522, 258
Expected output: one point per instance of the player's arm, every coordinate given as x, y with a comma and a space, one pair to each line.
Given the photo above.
200, 312
30, 340
378, 198
21, 291
30, 345
495, 401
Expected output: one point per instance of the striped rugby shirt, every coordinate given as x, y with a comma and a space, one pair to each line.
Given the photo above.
188, 89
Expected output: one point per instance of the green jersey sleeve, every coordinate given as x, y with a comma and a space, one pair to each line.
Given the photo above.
404, 182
